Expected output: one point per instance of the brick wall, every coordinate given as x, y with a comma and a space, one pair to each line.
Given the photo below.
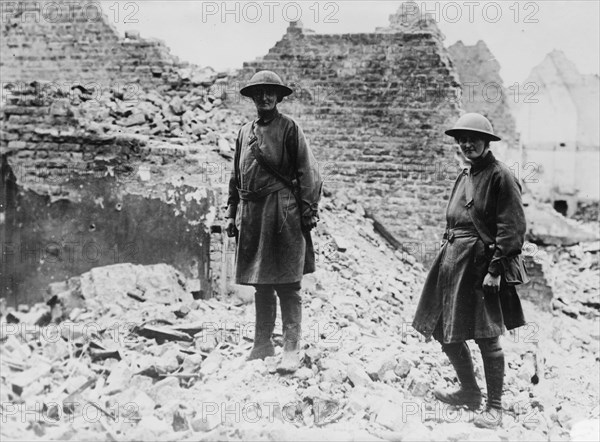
75, 199
374, 107
73, 43
46, 144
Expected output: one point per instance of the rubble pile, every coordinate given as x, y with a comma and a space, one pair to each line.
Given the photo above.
587, 212
125, 352
188, 111
545, 226
574, 275
183, 115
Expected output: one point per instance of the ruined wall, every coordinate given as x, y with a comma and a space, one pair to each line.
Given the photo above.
549, 122
79, 199
85, 190
483, 91
560, 132
374, 107
75, 43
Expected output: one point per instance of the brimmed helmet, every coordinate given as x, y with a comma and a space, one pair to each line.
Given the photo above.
266, 78
473, 122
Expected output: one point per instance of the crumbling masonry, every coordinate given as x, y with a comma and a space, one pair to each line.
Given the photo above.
108, 143
373, 107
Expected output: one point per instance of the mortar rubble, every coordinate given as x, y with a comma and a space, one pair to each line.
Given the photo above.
124, 352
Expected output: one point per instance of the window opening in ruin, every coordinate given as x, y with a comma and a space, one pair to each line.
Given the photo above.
561, 207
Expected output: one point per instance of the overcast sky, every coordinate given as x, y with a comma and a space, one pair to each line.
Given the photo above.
225, 34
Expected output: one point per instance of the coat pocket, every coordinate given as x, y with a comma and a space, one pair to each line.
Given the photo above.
515, 272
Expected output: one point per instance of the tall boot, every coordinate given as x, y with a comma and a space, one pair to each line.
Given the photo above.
493, 366
469, 393
291, 317
265, 305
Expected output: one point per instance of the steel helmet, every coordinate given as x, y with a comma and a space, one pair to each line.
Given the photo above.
266, 78
473, 122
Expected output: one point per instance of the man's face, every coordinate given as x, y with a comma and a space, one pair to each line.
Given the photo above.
471, 145
265, 98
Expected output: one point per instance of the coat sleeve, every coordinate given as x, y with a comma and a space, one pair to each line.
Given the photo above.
308, 174
510, 221
233, 197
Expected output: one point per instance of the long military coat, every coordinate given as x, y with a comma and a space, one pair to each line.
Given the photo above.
271, 246
453, 306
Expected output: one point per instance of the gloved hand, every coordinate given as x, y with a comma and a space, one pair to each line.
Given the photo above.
309, 222
230, 228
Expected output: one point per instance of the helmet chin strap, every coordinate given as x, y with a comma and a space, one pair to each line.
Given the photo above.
484, 152
480, 157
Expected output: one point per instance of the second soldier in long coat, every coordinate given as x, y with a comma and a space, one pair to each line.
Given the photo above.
467, 294
272, 206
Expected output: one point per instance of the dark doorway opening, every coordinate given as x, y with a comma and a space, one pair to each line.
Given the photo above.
561, 207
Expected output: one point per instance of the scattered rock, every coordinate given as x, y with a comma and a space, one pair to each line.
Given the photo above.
193, 379
379, 366
304, 373
176, 105
358, 376
418, 383
403, 367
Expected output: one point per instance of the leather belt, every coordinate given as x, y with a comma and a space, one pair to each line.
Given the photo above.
460, 232
255, 195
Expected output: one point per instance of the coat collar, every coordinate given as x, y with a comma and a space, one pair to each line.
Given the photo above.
266, 119
478, 166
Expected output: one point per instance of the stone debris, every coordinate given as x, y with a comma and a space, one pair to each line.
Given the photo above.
187, 113
587, 212
574, 274
548, 227
194, 116
124, 352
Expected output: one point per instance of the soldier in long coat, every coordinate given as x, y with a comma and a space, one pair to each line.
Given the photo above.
465, 295
274, 193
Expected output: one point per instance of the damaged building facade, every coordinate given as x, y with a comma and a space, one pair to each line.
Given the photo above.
372, 104
374, 107
114, 151
558, 121
483, 91
549, 123
79, 193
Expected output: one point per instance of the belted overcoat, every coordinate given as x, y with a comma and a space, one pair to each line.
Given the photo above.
453, 306
271, 247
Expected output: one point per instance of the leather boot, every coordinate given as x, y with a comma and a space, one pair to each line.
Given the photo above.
291, 317
493, 366
265, 304
469, 393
